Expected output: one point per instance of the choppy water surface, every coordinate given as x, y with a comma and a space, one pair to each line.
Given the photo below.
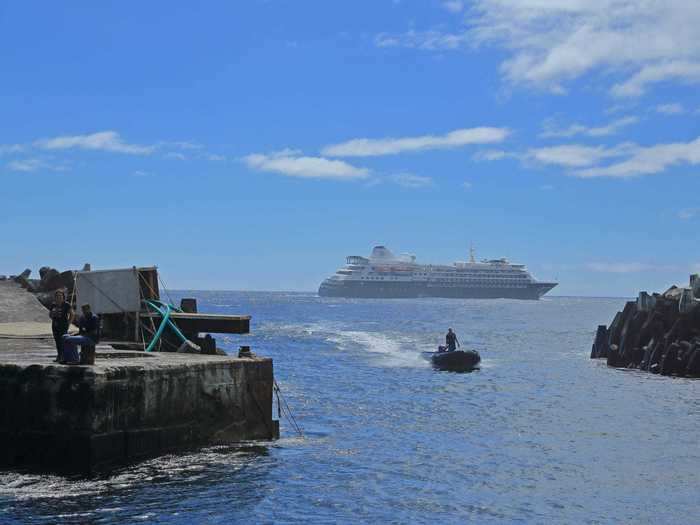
541, 434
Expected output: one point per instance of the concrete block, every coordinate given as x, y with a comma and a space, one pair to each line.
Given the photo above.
129, 406
687, 303
645, 302
695, 285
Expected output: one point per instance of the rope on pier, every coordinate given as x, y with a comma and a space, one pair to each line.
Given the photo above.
153, 329
165, 288
288, 411
164, 309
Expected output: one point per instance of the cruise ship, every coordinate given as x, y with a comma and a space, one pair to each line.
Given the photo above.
384, 275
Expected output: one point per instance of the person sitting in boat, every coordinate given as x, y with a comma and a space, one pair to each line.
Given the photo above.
451, 340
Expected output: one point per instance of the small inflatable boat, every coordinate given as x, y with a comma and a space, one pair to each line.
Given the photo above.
456, 360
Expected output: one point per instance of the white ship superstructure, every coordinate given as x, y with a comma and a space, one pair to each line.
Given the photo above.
383, 274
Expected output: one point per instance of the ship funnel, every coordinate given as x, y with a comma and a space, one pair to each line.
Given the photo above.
381, 252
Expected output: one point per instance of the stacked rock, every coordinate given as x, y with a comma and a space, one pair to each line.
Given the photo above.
658, 333
50, 280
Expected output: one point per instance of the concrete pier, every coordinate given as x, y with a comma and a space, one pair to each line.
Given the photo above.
129, 405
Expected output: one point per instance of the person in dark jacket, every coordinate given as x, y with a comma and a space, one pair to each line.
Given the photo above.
88, 335
451, 340
61, 315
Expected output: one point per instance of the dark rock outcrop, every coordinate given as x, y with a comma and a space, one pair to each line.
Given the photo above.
658, 333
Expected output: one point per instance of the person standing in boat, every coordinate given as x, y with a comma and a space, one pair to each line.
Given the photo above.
451, 340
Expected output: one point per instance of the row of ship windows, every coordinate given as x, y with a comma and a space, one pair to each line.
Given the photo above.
354, 267
478, 274
443, 274
500, 280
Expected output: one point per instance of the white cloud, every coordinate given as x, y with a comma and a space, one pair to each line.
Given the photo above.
26, 165
101, 141
688, 213
551, 42
109, 141
551, 130
391, 146
683, 71
183, 149
6, 149
467, 185
292, 164
490, 155
409, 180
425, 40
621, 161
453, 6
141, 173
175, 155
648, 160
670, 109
180, 144
546, 187
29, 165
575, 155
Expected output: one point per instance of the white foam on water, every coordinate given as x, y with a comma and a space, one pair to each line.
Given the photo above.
488, 363
295, 329
394, 351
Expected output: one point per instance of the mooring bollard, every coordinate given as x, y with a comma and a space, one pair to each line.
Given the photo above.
244, 351
87, 355
208, 344
189, 305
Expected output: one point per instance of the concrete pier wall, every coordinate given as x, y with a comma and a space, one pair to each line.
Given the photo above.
130, 405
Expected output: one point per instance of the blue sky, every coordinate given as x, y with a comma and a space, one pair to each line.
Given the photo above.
254, 144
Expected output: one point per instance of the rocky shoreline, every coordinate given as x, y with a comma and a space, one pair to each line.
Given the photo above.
657, 333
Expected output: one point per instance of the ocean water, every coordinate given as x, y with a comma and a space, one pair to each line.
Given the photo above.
541, 434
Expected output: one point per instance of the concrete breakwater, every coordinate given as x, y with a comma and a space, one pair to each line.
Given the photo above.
130, 404
658, 333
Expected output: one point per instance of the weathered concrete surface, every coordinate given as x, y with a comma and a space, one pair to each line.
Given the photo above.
129, 405
20, 313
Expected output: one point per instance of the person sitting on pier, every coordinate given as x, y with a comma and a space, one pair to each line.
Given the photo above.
61, 315
451, 340
88, 336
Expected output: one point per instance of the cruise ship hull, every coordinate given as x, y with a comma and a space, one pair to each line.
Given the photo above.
408, 290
